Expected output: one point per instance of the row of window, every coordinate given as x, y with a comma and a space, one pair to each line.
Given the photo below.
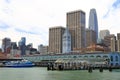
116, 58
56, 57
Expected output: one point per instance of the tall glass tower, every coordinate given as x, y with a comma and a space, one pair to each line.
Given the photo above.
93, 22
22, 45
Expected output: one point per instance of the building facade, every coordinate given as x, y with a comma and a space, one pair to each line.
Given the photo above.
118, 45
104, 33
6, 45
66, 42
76, 26
93, 22
118, 42
107, 40
22, 46
118, 36
90, 37
55, 39
113, 44
43, 49
111, 58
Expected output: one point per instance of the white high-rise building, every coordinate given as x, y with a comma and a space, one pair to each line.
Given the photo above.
66, 42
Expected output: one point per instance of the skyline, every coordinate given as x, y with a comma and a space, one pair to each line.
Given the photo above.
33, 18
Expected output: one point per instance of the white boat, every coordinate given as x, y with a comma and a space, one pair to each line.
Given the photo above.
21, 63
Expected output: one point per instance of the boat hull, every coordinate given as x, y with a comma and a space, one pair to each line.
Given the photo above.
15, 66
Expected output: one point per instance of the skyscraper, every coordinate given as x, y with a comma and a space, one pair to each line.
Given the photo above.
55, 39
104, 33
43, 49
6, 45
118, 42
13, 45
118, 36
90, 37
107, 40
23, 40
22, 45
93, 22
76, 26
113, 44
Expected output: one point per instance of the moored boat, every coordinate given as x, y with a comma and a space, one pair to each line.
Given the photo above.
21, 63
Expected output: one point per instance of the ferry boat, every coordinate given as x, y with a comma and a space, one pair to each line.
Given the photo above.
21, 63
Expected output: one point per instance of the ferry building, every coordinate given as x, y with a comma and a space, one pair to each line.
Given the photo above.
96, 59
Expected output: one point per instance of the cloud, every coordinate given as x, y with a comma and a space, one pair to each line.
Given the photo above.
107, 14
7, 11
28, 32
116, 4
7, 1
3, 25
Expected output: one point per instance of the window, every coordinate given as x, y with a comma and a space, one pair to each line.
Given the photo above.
74, 56
82, 18
98, 56
116, 58
111, 58
116, 64
92, 56
111, 64
65, 37
105, 56
85, 56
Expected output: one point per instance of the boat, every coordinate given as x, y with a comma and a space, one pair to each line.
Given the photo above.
21, 63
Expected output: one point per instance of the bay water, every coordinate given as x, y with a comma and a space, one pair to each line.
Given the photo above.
41, 73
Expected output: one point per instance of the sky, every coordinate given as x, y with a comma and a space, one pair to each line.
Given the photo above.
33, 18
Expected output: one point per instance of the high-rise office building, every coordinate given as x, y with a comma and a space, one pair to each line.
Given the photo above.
29, 46
103, 33
113, 44
14, 49
90, 37
118, 36
13, 45
43, 49
22, 45
6, 45
76, 26
55, 39
118, 45
93, 22
118, 42
107, 40
23, 40
66, 42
